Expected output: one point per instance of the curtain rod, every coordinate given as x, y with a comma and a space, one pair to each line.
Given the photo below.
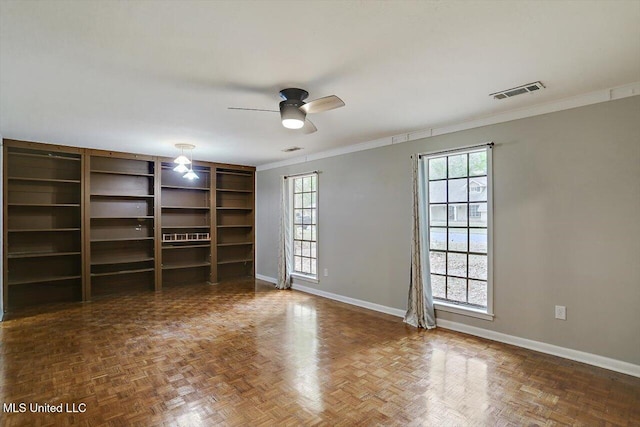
300, 174
453, 150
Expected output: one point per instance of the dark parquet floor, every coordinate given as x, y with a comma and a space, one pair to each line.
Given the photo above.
244, 354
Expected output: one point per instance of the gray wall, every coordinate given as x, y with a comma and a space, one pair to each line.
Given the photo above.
566, 225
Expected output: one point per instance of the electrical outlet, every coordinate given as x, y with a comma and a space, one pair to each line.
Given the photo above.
326, 272
561, 312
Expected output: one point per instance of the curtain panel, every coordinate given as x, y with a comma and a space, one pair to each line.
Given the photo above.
285, 240
420, 312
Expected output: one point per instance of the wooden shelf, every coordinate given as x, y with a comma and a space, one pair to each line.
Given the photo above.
66, 181
122, 239
122, 173
180, 187
40, 254
235, 261
190, 265
186, 246
121, 261
116, 273
235, 244
233, 208
247, 174
46, 205
145, 217
187, 207
42, 280
124, 196
39, 230
233, 190
235, 226
45, 156
181, 227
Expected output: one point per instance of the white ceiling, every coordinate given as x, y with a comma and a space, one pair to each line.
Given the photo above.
140, 76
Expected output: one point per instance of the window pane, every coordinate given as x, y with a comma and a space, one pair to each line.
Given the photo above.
306, 232
313, 268
478, 189
478, 240
297, 232
457, 264
437, 286
297, 216
313, 232
438, 192
314, 183
297, 185
438, 238
458, 166
438, 168
297, 248
438, 215
306, 248
457, 190
478, 214
457, 289
458, 239
478, 163
437, 261
305, 200
306, 183
297, 200
297, 263
306, 216
478, 267
313, 216
457, 215
306, 265
478, 292
313, 251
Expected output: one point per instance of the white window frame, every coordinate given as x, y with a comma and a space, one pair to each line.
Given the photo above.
297, 274
488, 313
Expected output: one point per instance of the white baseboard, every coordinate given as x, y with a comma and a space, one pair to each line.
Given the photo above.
566, 353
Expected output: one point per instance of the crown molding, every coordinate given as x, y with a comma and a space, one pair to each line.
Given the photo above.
590, 98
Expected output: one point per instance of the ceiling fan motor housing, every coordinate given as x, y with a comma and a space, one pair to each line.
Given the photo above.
291, 114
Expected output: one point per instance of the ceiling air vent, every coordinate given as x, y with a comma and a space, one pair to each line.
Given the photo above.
528, 88
290, 149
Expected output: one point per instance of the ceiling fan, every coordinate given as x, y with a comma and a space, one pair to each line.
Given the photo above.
293, 109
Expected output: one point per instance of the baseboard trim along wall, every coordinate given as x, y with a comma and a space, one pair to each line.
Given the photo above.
554, 350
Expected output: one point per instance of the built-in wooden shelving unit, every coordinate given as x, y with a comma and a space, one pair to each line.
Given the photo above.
42, 224
235, 201
186, 226
80, 223
120, 209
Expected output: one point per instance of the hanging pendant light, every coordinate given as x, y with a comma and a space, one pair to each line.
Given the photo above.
182, 160
191, 175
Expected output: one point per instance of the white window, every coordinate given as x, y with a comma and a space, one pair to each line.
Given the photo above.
304, 221
459, 242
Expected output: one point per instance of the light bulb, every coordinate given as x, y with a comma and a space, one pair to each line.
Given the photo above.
292, 123
181, 168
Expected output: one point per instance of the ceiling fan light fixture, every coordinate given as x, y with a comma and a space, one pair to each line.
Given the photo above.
292, 116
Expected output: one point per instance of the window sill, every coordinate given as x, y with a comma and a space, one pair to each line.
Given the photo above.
304, 278
465, 311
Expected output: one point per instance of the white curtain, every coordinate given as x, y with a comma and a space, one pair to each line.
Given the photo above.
420, 311
285, 242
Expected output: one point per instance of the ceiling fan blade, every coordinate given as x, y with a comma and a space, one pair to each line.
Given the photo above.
309, 127
252, 109
322, 104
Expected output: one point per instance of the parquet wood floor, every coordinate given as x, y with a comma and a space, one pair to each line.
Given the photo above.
244, 353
